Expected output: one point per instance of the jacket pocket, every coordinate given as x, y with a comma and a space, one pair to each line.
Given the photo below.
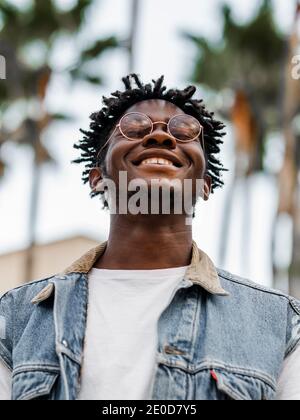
33, 384
235, 386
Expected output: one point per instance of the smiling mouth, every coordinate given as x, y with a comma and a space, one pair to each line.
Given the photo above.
157, 161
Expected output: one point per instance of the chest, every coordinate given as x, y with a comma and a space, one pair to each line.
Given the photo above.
204, 350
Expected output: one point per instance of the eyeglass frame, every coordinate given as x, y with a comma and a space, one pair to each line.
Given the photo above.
153, 123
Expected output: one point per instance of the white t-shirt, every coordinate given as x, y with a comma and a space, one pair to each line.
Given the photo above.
121, 336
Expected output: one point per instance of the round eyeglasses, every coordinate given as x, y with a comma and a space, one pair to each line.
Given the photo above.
136, 126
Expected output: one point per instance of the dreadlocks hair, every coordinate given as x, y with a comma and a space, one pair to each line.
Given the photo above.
103, 121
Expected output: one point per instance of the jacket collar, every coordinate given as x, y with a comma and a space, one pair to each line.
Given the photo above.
201, 270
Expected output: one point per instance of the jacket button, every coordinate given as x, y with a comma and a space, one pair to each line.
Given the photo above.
65, 343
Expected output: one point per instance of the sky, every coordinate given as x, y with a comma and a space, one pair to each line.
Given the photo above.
65, 208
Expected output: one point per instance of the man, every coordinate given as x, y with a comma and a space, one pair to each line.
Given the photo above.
146, 314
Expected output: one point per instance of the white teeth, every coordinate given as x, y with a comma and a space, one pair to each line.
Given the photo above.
159, 161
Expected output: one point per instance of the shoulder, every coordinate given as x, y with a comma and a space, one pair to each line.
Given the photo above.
233, 283
17, 301
25, 292
16, 305
16, 308
264, 304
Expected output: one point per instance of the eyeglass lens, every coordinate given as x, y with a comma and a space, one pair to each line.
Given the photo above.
183, 127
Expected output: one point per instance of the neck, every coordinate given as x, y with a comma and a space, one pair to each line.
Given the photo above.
147, 242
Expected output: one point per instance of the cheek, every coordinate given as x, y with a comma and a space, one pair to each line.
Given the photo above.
115, 159
196, 156
109, 164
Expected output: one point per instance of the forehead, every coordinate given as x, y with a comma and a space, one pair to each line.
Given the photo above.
156, 109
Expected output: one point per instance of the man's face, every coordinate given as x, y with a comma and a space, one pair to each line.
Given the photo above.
187, 159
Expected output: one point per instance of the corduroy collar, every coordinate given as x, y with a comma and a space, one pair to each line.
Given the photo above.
201, 270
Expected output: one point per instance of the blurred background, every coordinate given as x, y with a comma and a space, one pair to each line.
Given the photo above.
63, 55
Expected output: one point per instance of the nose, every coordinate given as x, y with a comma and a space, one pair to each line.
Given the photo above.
158, 137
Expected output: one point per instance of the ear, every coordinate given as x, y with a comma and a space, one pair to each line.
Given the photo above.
207, 187
95, 178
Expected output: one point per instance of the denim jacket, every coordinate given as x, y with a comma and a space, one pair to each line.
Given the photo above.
220, 338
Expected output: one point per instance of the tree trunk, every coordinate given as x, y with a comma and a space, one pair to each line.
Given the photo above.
33, 212
294, 271
226, 222
134, 17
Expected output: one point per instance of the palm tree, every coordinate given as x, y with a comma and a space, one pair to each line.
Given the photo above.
289, 182
248, 61
134, 19
39, 28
